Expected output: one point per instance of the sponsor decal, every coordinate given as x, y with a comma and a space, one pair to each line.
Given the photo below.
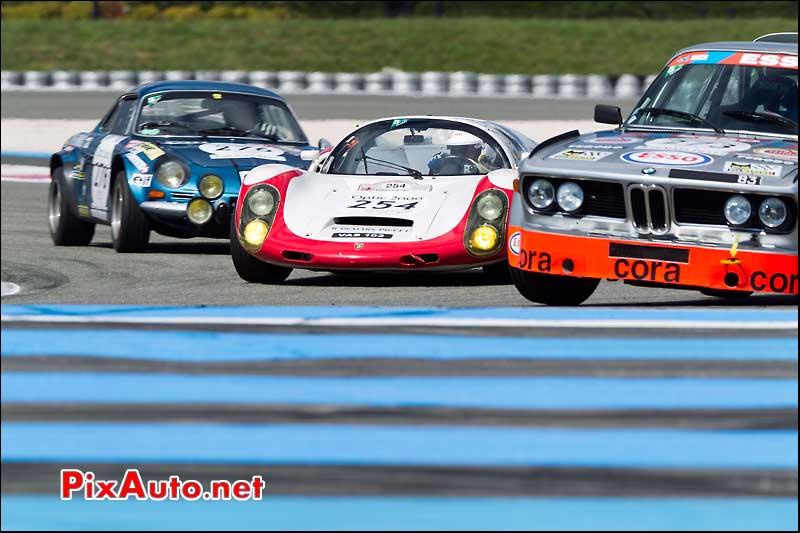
141, 180
83, 211
150, 131
153, 99
399, 122
216, 96
580, 155
535, 260
615, 139
136, 161
762, 159
515, 243
777, 282
597, 147
753, 169
647, 270
673, 69
394, 230
737, 58
351, 142
242, 151
780, 153
101, 171
704, 145
150, 150
671, 158
394, 186
360, 235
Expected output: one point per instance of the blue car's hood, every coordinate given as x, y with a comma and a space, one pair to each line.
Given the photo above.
247, 155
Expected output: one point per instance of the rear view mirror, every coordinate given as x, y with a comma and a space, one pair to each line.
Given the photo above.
309, 155
608, 114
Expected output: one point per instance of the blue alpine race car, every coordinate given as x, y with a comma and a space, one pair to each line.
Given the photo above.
169, 157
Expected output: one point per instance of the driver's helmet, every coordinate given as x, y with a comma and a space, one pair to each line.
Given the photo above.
463, 144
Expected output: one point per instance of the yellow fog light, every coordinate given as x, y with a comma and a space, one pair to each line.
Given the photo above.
211, 186
254, 233
484, 238
199, 211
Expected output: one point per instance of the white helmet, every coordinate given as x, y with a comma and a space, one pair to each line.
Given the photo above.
462, 138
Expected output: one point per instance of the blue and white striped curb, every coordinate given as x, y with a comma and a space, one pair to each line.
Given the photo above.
397, 83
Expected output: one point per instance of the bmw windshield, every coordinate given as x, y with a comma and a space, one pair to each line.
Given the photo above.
200, 113
725, 92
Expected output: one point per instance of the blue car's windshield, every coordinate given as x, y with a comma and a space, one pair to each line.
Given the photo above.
217, 113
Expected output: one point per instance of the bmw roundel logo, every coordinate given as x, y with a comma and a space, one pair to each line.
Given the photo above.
515, 243
649, 171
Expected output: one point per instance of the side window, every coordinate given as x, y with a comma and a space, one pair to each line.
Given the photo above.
122, 116
108, 121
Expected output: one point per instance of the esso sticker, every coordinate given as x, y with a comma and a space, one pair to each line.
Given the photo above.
617, 139
515, 243
699, 144
669, 158
768, 60
237, 151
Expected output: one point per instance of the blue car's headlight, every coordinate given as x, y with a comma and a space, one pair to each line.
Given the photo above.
171, 174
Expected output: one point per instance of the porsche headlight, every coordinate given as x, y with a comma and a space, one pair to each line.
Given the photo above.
261, 203
541, 194
490, 207
484, 238
737, 210
171, 174
773, 212
211, 186
254, 233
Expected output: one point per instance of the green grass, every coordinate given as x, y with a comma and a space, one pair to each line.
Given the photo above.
532, 46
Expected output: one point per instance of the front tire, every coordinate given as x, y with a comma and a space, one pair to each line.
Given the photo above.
130, 231
498, 272
251, 269
551, 289
65, 228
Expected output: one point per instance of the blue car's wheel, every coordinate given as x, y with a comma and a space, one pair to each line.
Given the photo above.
66, 229
130, 231
251, 269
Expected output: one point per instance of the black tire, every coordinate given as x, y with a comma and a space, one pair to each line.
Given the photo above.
251, 269
66, 229
130, 231
498, 272
727, 295
551, 289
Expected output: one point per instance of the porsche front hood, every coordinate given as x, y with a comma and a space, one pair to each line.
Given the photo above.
376, 208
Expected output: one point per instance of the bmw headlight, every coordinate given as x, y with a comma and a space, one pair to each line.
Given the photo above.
211, 186
171, 174
569, 196
261, 202
541, 194
773, 212
490, 206
737, 210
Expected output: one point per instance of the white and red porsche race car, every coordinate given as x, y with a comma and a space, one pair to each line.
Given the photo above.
408, 193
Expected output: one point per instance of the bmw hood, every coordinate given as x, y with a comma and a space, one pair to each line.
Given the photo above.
724, 158
246, 155
376, 208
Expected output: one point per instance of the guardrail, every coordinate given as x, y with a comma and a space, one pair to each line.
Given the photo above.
456, 84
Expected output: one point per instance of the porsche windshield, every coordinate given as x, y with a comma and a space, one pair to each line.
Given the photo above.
722, 97
214, 113
417, 147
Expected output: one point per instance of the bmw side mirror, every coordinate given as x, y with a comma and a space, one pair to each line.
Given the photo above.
324, 143
608, 114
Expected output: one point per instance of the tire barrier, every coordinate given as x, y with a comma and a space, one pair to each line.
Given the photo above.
389, 82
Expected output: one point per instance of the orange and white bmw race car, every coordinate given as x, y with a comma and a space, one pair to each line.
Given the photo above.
696, 189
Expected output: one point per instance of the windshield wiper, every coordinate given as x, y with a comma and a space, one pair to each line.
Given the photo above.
691, 117
760, 116
164, 124
239, 132
414, 173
